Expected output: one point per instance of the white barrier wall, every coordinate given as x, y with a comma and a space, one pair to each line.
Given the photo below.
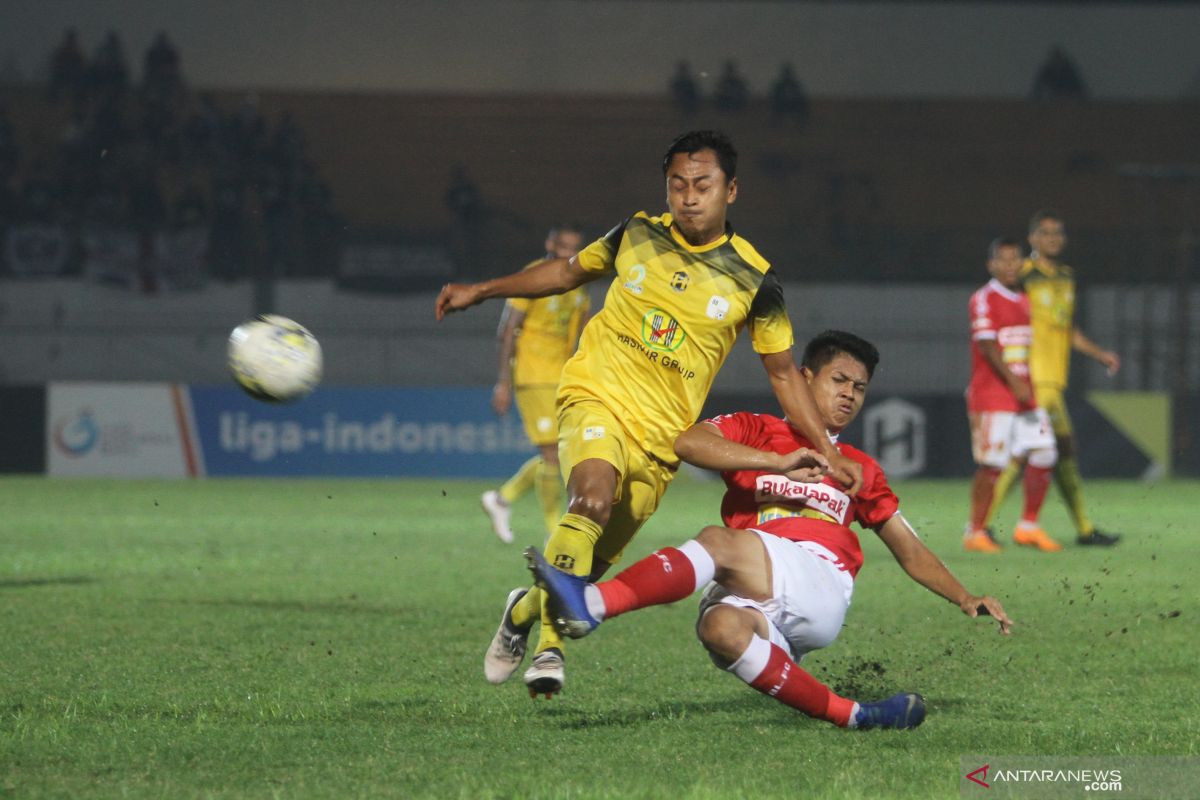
59, 330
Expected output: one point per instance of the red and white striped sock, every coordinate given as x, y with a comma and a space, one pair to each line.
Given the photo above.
770, 670
664, 576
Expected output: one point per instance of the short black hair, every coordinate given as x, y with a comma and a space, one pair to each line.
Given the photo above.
827, 345
1004, 241
566, 225
695, 141
1042, 215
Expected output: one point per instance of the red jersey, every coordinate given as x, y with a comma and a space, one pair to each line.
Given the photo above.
1000, 315
813, 512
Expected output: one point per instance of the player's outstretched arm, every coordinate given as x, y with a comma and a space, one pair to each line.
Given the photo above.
1110, 360
510, 323
928, 570
794, 396
703, 445
554, 276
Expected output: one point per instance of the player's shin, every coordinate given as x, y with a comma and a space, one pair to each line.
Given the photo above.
665, 576
548, 637
1004, 484
982, 492
528, 609
570, 546
570, 550
1070, 484
770, 670
522, 481
1037, 483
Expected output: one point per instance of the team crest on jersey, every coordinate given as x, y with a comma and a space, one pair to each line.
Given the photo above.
679, 281
661, 331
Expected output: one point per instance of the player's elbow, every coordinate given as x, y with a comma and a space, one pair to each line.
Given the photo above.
686, 445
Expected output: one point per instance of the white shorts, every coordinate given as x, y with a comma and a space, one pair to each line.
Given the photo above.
997, 436
809, 599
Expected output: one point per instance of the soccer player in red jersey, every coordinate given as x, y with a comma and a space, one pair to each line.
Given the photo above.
1006, 421
785, 560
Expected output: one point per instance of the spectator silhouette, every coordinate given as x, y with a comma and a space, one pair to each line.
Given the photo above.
787, 97
108, 74
732, 93
462, 197
67, 68
466, 203
9, 152
162, 79
684, 89
1058, 78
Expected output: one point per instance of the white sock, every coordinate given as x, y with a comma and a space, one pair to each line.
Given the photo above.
702, 562
753, 660
595, 602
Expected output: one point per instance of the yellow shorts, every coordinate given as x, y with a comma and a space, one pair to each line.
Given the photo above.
588, 429
536, 404
1051, 398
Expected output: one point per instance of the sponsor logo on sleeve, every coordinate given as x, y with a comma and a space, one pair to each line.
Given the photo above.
718, 307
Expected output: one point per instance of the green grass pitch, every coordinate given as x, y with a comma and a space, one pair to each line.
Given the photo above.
324, 639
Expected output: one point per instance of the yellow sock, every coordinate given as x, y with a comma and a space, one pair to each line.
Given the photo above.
1070, 484
522, 481
1004, 484
550, 495
569, 549
528, 608
547, 636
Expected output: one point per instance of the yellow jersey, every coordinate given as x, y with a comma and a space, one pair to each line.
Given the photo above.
547, 334
669, 320
1051, 290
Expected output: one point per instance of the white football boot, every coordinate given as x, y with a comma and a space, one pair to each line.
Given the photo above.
495, 507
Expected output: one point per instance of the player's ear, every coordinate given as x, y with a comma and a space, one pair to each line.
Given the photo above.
731, 190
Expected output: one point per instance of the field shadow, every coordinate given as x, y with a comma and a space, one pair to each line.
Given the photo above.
66, 580
667, 711
580, 720
303, 606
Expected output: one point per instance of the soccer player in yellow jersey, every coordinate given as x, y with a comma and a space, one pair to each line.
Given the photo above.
536, 339
683, 286
1050, 285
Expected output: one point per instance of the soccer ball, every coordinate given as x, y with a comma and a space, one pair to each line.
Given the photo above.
274, 358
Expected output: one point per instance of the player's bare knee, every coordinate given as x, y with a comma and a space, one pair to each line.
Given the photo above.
725, 633
716, 540
594, 506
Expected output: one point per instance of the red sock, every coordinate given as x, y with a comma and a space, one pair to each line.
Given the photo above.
1037, 482
983, 488
662, 577
788, 683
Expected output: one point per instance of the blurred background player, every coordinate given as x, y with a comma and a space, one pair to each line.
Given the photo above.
786, 561
1050, 285
537, 336
683, 286
1006, 421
